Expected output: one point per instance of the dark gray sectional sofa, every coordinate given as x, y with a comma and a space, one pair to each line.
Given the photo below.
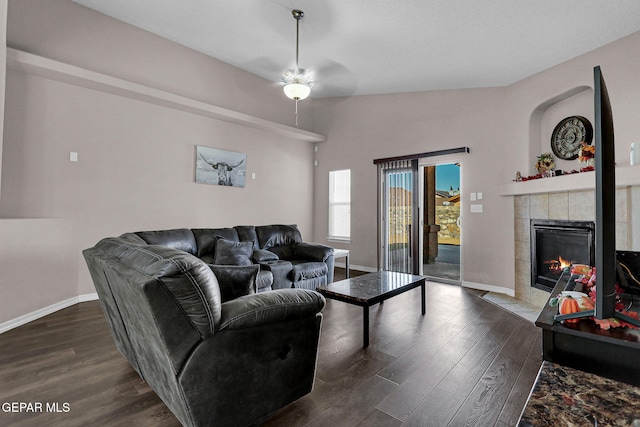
285, 260
217, 352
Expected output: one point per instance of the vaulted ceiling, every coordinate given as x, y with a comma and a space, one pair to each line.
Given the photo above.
355, 47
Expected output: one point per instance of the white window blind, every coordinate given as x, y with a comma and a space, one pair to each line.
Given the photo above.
340, 204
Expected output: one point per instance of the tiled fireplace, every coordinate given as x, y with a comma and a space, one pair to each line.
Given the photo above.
564, 206
568, 198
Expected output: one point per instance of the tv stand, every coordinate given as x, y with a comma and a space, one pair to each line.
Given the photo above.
612, 354
589, 313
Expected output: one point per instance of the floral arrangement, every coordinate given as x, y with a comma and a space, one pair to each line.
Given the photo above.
586, 153
587, 277
545, 162
520, 178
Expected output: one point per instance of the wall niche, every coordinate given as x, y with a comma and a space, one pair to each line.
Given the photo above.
575, 102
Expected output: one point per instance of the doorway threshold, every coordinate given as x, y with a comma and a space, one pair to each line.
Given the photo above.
443, 280
442, 271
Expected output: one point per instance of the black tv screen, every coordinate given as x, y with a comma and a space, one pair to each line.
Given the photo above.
605, 189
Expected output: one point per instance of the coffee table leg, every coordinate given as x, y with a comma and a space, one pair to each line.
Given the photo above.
346, 264
365, 325
424, 299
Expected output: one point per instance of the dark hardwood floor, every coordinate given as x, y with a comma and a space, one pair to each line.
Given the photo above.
465, 363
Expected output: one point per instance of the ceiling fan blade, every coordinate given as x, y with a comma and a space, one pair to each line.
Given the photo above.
333, 79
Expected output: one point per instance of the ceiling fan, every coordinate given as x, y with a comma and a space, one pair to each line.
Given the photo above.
297, 82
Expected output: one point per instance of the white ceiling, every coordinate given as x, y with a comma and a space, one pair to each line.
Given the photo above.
356, 47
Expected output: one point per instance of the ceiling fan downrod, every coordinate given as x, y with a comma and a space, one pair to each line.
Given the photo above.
297, 15
297, 83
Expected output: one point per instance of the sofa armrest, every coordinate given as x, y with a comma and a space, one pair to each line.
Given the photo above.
262, 255
270, 307
313, 251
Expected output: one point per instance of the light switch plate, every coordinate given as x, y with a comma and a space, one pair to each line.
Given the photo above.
73, 156
472, 196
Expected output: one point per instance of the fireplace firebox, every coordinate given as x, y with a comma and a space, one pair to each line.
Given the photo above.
556, 244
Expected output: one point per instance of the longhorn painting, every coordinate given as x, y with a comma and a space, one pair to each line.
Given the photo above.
220, 167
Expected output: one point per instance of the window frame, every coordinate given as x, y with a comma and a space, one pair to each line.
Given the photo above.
331, 225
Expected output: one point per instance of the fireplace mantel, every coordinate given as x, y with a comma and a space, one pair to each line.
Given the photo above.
625, 176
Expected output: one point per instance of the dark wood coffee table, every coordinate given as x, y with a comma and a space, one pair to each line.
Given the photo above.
373, 288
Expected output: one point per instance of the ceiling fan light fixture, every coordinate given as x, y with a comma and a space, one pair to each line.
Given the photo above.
297, 84
297, 91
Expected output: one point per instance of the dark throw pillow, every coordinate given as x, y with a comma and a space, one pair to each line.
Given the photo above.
235, 281
233, 253
263, 255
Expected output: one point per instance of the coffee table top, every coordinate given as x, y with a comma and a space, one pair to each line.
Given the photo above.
371, 288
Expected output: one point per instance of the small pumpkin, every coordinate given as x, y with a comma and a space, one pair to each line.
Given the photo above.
585, 303
569, 305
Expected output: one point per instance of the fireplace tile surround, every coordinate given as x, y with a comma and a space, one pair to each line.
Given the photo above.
576, 205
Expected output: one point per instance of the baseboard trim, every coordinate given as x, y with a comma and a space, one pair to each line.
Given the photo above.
35, 315
489, 288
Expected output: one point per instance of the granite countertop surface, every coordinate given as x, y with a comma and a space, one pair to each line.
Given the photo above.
564, 396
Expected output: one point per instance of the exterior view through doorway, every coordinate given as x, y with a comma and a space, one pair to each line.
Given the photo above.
441, 222
419, 220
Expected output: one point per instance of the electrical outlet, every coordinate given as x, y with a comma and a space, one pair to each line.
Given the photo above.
476, 208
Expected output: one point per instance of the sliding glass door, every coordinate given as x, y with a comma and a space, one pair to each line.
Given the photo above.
399, 228
400, 224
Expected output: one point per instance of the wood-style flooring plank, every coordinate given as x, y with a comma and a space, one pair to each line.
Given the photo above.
437, 410
466, 374
450, 366
356, 405
522, 388
487, 399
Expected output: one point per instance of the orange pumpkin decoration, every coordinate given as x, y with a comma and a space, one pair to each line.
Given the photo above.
569, 305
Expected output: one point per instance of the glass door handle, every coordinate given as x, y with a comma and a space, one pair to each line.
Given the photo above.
459, 222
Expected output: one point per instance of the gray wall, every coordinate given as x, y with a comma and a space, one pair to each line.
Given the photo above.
506, 128
136, 159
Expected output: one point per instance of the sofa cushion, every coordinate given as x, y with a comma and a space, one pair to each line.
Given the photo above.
247, 233
278, 235
232, 253
235, 281
180, 238
280, 270
284, 251
206, 239
262, 255
307, 270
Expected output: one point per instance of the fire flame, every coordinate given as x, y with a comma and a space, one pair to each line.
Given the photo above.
557, 265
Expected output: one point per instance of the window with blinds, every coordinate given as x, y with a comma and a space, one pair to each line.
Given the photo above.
340, 205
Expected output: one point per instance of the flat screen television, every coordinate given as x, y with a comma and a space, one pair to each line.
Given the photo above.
605, 189
605, 231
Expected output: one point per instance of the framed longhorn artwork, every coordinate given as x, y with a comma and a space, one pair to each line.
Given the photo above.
220, 167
